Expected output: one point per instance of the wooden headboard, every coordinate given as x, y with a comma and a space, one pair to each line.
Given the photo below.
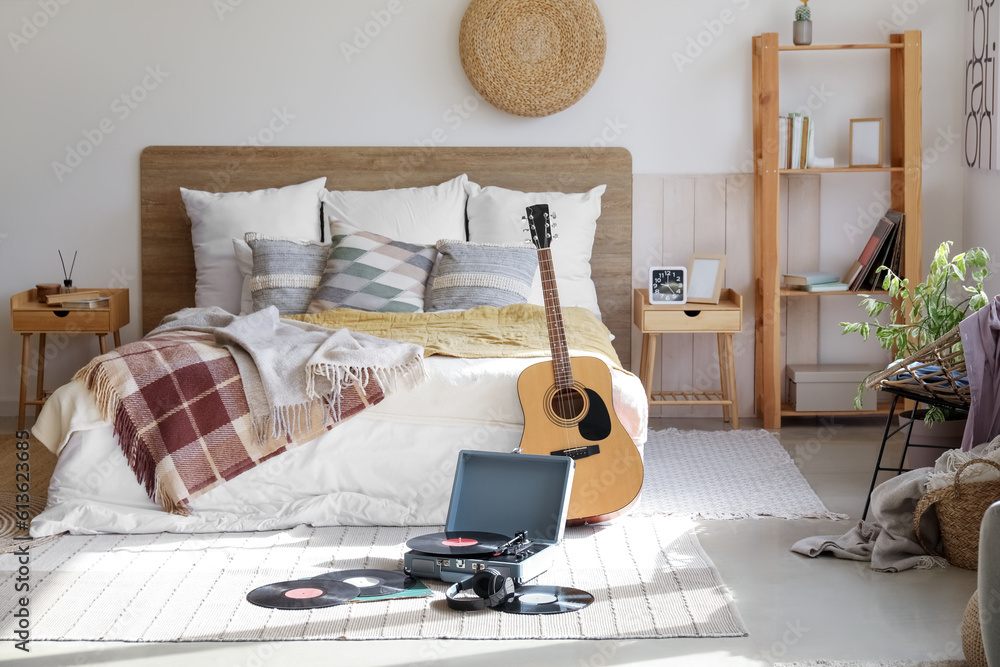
168, 273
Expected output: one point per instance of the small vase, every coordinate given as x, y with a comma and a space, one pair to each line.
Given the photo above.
802, 33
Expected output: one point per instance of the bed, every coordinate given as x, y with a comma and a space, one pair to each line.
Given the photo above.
392, 464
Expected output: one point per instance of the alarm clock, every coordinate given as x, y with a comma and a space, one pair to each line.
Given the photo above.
668, 285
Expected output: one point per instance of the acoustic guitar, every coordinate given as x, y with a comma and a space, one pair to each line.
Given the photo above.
568, 409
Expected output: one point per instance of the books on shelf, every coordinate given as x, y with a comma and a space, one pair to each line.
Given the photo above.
809, 278
794, 140
884, 248
835, 286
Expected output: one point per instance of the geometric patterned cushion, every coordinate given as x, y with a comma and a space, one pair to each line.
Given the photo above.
480, 274
286, 272
370, 272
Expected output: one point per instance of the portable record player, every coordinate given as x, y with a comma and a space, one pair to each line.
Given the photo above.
507, 512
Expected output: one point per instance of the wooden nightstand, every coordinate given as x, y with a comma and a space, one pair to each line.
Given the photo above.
29, 317
723, 319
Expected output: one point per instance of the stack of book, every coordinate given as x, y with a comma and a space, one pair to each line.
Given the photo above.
83, 299
884, 248
794, 132
814, 281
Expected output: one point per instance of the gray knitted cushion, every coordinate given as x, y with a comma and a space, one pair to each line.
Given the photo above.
480, 274
286, 272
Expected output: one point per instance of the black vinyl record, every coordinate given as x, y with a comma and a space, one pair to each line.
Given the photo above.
303, 594
458, 543
372, 583
547, 600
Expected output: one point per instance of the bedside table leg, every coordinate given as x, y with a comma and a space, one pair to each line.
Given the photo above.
650, 364
25, 360
40, 384
734, 409
118, 338
720, 342
102, 341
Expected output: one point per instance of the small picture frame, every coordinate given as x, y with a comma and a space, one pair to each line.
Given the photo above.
705, 278
668, 285
866, 142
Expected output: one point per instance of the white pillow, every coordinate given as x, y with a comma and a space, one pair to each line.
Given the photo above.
412, 215
495, 217
244, 259
216, 218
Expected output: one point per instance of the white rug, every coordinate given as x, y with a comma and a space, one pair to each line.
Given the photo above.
650, 578
876, 663
725, 475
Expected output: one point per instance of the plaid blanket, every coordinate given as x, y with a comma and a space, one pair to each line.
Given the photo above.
180, 411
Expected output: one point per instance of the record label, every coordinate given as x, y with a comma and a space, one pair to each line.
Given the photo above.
371, 583
302, 594
547, 600
458, 543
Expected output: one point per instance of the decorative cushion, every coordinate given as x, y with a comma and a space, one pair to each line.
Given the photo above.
412, 215
286, 272
216, 218
480, 274
367, 271
495, 217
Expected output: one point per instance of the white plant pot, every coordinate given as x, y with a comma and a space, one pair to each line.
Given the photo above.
939, 439
802, 33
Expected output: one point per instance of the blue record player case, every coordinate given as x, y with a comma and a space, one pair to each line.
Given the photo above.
505, 494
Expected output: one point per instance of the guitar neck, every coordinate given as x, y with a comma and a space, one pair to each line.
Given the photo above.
553, 317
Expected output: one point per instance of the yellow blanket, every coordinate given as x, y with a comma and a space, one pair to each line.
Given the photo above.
512, 331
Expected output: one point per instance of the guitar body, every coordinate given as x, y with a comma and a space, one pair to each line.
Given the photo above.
580, 422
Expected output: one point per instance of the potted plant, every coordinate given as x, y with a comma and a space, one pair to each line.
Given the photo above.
802, 27
922, 314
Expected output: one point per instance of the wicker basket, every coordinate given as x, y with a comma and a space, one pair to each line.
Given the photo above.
972, 635
960, 509
935, 372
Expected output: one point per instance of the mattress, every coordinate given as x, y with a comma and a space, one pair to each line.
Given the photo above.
392, 465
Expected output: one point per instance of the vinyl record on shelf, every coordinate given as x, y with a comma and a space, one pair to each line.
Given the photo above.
303, 594
372, 583
458, 543
547, 600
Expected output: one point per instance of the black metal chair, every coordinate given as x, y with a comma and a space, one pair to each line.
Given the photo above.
934, 375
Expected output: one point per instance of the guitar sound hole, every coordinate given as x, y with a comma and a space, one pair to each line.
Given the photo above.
568, 404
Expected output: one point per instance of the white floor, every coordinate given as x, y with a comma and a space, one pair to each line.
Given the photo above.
795, 608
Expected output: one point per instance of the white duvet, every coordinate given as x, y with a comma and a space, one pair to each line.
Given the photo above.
391, 465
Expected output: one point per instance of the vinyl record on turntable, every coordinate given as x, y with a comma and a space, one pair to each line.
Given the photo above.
547, 600
373, 583
303, 594
458, 543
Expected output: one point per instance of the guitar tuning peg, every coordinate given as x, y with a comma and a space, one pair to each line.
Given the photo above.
555, 236
526, 230
552, 215
524, 217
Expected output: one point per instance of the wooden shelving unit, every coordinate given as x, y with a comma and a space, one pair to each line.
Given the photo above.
905, 151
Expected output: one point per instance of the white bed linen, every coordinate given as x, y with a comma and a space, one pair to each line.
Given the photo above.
391, 465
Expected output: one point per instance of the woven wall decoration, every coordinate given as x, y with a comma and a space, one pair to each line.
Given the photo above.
532, 57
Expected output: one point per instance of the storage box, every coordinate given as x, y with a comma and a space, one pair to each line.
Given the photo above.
828, 387
505, 494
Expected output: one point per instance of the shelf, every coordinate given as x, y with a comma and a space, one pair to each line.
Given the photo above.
788, 291
788, 410
840, 47
841, 170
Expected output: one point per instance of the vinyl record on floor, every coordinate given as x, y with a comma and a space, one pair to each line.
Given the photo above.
547, 600
303, 594
458, 543
373, 583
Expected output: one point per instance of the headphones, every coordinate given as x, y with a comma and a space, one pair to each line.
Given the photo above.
492, 588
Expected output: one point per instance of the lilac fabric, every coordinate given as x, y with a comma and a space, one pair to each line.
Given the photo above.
981, 345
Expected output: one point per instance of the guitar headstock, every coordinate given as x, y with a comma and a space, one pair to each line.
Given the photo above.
540, 225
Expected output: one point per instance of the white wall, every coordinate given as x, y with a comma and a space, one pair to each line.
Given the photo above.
225, 74
982, 218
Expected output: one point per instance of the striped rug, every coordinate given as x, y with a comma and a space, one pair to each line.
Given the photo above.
649, 575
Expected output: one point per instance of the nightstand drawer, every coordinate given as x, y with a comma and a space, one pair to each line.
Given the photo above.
84, 321
691, 320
